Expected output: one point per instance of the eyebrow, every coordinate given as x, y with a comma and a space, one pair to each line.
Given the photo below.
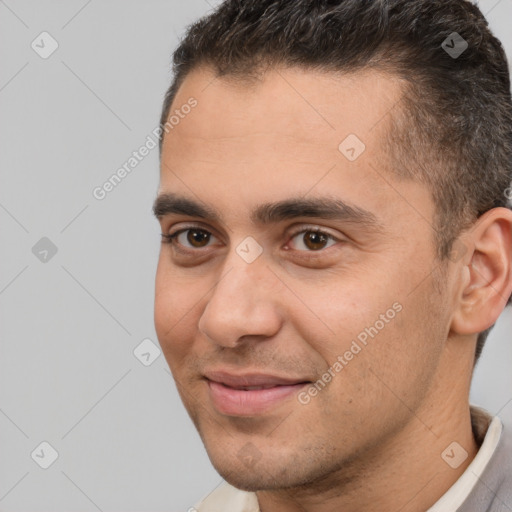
269, 213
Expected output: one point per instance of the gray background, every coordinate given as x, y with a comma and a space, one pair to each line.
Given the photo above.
69, 325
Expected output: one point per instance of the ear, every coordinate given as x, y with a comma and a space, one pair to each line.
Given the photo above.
485, 273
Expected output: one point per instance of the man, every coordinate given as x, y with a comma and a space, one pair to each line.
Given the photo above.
337, 245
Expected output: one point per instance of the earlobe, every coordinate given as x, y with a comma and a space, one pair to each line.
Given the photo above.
486, 275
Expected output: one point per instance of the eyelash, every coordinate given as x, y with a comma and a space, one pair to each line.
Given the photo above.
170, 238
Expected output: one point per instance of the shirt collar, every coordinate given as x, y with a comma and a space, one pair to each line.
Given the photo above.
487, 432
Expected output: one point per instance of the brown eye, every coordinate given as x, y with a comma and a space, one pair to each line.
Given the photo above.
189, 238
198, 237
312, 240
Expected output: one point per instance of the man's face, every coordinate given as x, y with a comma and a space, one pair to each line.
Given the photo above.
285, 297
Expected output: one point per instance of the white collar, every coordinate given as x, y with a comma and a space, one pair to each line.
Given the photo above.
461, 489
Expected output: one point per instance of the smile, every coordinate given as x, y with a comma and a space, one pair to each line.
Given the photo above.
250, 395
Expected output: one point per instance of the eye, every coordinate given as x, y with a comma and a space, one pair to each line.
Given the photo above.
190, 238
312, 240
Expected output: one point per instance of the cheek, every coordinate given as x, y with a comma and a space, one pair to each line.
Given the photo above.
332, 314
368, 314
174, 316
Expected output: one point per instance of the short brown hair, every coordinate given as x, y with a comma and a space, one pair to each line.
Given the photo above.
453, 127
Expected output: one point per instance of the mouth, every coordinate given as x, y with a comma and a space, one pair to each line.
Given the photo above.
250, 394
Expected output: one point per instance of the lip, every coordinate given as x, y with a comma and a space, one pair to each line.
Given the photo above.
229, 399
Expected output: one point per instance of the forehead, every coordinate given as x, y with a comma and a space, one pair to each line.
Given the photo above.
285, 135
305, 106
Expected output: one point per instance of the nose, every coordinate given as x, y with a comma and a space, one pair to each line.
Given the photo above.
242, 305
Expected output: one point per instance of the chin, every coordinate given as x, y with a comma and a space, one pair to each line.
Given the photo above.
251, 480
262, 475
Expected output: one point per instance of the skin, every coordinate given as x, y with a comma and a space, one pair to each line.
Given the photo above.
372, 439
